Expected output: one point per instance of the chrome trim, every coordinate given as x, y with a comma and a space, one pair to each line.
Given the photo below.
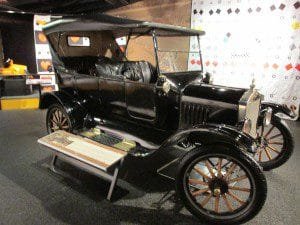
242, 112
166, 87
247, 126
252, 111
249, 109
209, 102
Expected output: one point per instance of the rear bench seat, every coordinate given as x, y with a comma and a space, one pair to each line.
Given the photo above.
140, 71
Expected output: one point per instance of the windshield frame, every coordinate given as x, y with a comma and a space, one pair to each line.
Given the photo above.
156, 50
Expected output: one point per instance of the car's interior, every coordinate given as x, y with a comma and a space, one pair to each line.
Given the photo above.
102, 58
101, 66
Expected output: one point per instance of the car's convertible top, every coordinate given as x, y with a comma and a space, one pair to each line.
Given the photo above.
119, 26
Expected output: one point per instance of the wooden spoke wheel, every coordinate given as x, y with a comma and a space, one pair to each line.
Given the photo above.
221, 186
57, 119
270, 143
275, 144
225, 189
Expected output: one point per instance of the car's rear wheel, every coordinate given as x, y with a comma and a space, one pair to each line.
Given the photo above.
275, 144
221, 185
57, 119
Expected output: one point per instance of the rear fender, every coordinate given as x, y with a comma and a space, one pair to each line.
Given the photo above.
277, 108
208, 134
74, 107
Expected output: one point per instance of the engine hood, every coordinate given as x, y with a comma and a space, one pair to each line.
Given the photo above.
214, 92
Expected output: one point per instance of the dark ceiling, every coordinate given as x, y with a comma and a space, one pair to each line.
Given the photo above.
63, 6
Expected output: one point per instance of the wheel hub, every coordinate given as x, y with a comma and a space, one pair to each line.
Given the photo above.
58, 120
218, 186
263, 142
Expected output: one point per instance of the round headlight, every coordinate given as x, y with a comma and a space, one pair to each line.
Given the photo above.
166, 87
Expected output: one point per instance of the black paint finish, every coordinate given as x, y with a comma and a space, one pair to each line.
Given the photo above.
214, 92
128, 97
141, 108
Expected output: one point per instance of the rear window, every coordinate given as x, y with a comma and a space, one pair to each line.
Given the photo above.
79, 41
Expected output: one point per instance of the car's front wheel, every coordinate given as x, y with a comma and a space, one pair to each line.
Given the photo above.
57, 119
221, 185
276, 144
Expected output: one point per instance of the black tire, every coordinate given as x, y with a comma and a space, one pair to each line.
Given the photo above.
64, 118
285, 152
258, 193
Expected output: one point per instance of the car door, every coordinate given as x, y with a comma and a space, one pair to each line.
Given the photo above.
112, 92
87, 87
140, 100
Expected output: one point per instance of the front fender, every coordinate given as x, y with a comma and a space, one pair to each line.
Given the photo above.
74, 106
277, 108
208, 134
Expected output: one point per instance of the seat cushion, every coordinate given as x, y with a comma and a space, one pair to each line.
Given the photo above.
146, 71
108, 68
140, 71
132, 71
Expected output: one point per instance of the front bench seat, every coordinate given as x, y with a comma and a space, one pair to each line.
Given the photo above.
140, 71
108, 68
146, 70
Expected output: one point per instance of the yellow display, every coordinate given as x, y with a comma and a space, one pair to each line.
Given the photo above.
11, 69
19, 103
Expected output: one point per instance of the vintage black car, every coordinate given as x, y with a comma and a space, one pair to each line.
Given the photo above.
146, 94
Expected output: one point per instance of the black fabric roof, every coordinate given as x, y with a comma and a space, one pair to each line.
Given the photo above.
64, 6
119, 26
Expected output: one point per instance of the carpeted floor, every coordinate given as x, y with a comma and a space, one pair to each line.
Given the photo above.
31, 194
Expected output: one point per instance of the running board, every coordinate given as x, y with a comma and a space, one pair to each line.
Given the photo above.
123, 135
108, 139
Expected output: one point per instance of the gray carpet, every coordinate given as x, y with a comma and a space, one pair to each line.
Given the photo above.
31, 194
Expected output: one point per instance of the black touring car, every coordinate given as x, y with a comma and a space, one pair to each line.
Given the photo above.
145, 92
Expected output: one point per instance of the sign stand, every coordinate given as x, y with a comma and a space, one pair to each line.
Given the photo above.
90, 169
86, 155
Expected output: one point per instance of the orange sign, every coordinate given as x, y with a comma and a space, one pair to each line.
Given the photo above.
45, 64
75, 39
42, 37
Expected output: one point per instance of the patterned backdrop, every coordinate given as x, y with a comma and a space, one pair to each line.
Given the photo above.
248, 39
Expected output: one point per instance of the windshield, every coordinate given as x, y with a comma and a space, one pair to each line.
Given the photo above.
175, 54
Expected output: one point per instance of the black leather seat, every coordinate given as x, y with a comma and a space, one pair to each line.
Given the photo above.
140, 71
84, 65
108, 68
147, 71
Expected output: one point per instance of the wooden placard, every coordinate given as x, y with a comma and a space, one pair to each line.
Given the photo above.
83, 149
